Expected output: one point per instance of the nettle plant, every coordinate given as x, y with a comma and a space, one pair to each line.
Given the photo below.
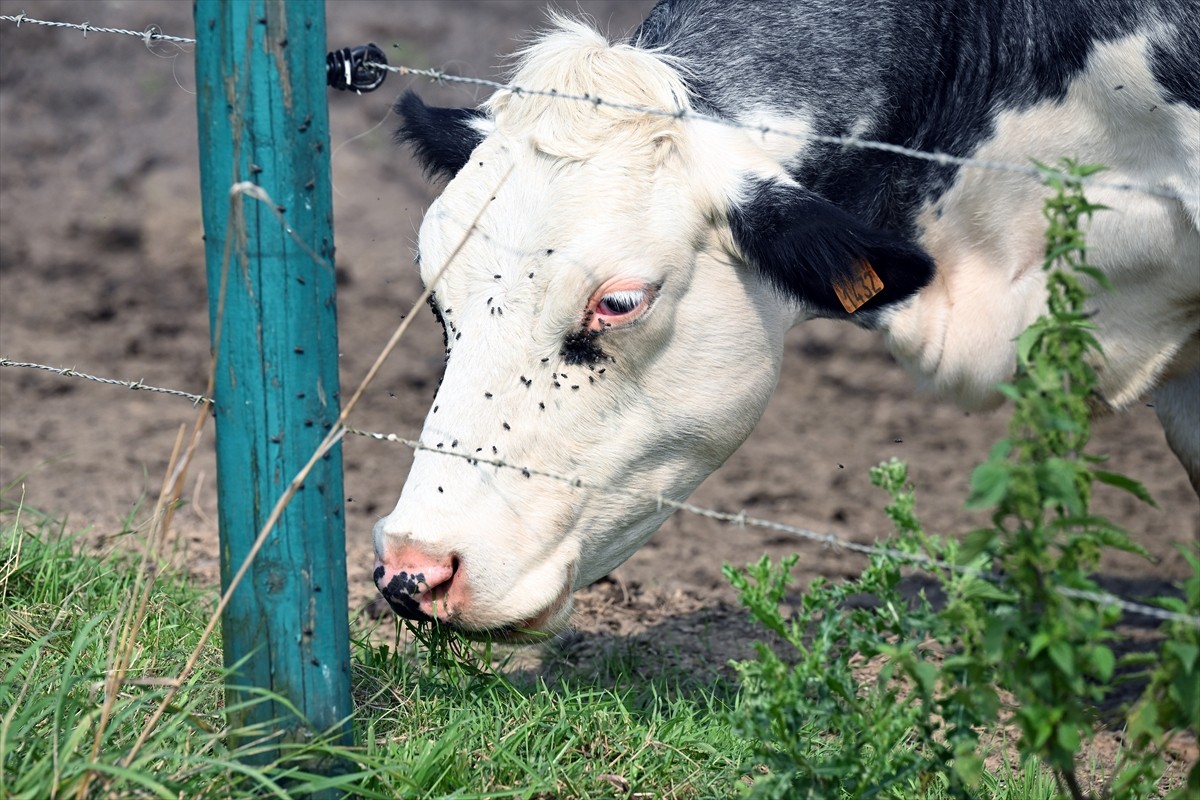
1011, 640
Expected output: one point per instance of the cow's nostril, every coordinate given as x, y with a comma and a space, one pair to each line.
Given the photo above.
416, 585
437, 591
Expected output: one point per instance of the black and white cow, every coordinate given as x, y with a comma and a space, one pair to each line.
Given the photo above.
617, 311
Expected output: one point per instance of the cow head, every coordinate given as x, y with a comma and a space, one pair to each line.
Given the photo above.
614, 289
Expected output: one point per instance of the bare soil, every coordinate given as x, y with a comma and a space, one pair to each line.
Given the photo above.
102, 269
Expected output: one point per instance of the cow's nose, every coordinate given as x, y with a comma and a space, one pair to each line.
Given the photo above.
415, 584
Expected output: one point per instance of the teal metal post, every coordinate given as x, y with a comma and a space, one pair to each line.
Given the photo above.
263, 118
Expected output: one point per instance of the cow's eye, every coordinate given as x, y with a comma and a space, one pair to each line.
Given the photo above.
619, 302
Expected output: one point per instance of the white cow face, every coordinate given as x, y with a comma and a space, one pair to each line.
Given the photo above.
594, 331
615, 288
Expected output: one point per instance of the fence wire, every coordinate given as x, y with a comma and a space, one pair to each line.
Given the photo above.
70, 372
741, 519
152, 33
852, 142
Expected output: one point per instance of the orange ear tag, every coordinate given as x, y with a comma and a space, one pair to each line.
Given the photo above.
855, 293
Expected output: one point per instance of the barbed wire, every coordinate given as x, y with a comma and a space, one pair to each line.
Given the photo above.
740, 519
743, 520
152, 33
70, 372
853, 142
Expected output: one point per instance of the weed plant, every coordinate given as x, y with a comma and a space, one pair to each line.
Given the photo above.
1012, 639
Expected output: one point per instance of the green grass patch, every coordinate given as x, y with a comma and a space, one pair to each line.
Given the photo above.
432, 719
60, 616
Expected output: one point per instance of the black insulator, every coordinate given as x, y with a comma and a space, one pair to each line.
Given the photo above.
359, 69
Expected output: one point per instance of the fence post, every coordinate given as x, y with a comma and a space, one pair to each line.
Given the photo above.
263, 118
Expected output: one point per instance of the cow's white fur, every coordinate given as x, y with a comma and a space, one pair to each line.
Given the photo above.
663, 415
956, 336
602, 189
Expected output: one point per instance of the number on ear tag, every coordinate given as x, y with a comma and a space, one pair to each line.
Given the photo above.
854, 293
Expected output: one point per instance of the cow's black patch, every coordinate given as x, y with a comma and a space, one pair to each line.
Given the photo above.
805, 246
927, 74
441, 138
401, 592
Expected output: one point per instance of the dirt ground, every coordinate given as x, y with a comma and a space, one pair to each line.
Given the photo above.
102, 269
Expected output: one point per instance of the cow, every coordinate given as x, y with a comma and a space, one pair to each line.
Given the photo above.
615, 286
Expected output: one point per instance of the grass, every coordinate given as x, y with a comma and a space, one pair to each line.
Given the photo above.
466, 731
427, 724
65, 728
432, 720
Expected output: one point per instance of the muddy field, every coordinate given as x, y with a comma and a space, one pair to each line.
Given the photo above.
102, 269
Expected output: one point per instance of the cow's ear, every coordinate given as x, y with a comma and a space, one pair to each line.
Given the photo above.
821, 255
441, 138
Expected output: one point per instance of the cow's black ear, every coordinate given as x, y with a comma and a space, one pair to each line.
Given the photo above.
441, 138
823, 256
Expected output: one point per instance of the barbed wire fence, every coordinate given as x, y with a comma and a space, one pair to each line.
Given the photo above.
741, 519
152, 34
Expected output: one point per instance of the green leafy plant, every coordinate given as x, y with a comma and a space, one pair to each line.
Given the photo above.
868, 705
1019, 618
1171, 700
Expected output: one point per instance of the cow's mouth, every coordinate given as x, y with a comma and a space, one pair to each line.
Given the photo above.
548, 622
